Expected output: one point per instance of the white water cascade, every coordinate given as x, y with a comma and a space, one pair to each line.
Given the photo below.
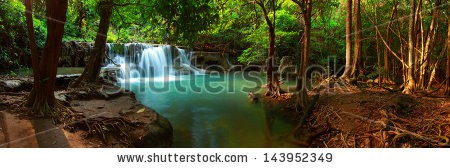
155, 62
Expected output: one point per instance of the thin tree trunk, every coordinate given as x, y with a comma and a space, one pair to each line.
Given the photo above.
419, 62
357, 60
302, 97
272, 81
42, 96
433, 73
378, 48
81, 16
384, 41
447, 92
92, 70
272, 78
32, 38
427, 47
348, 40
417, 43
409, 84
386, 53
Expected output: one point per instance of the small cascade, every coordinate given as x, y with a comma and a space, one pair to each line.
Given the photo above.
140, 60
155, 62
186, 62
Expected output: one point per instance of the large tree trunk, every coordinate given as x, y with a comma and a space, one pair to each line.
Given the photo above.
302, 97
348, 40
409, 84
447, 92
357, 60
42, 98
387, 66
92, 70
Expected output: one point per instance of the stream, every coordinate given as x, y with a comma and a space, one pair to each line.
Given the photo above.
205, 109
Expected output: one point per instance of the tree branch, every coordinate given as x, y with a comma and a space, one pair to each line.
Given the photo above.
382, 39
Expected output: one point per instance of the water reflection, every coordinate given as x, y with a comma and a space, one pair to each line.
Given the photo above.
220, 119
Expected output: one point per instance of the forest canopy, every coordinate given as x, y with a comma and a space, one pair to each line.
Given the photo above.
239, 27
379, 58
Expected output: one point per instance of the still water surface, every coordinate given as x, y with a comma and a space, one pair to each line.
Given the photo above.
212, 110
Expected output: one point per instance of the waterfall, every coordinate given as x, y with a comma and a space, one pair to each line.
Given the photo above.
139, 60
186, 61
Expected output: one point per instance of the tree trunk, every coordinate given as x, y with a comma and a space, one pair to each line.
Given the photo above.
428, 47
387, 66
348, 40
92, 69
357, 60
302, 97
272, 78
81, 16
409, 84
42, 97
447, 92
377, 41
418, 41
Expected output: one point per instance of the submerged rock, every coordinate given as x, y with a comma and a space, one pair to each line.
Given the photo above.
158, 134
252, 97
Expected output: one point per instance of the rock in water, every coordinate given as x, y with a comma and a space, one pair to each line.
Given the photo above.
252, 97
160, 134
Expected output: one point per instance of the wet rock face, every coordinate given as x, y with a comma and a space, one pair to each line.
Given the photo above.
211, 60
26, 83
75, 54
15, 85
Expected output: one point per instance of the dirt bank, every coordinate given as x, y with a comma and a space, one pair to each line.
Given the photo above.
351, 116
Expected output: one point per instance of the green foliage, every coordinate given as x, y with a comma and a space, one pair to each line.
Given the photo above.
287, 31
156, 21
40, 30
218, 25
183, 20
12, 32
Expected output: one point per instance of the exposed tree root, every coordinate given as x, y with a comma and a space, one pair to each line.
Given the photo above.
399, 132
307, 112
103, 127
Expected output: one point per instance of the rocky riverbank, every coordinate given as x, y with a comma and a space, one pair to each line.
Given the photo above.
111, 117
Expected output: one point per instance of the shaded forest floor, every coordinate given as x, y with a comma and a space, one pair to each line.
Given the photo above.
363, 116
18, 130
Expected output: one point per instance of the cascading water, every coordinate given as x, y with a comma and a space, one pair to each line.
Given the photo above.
186, 62
139, 60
